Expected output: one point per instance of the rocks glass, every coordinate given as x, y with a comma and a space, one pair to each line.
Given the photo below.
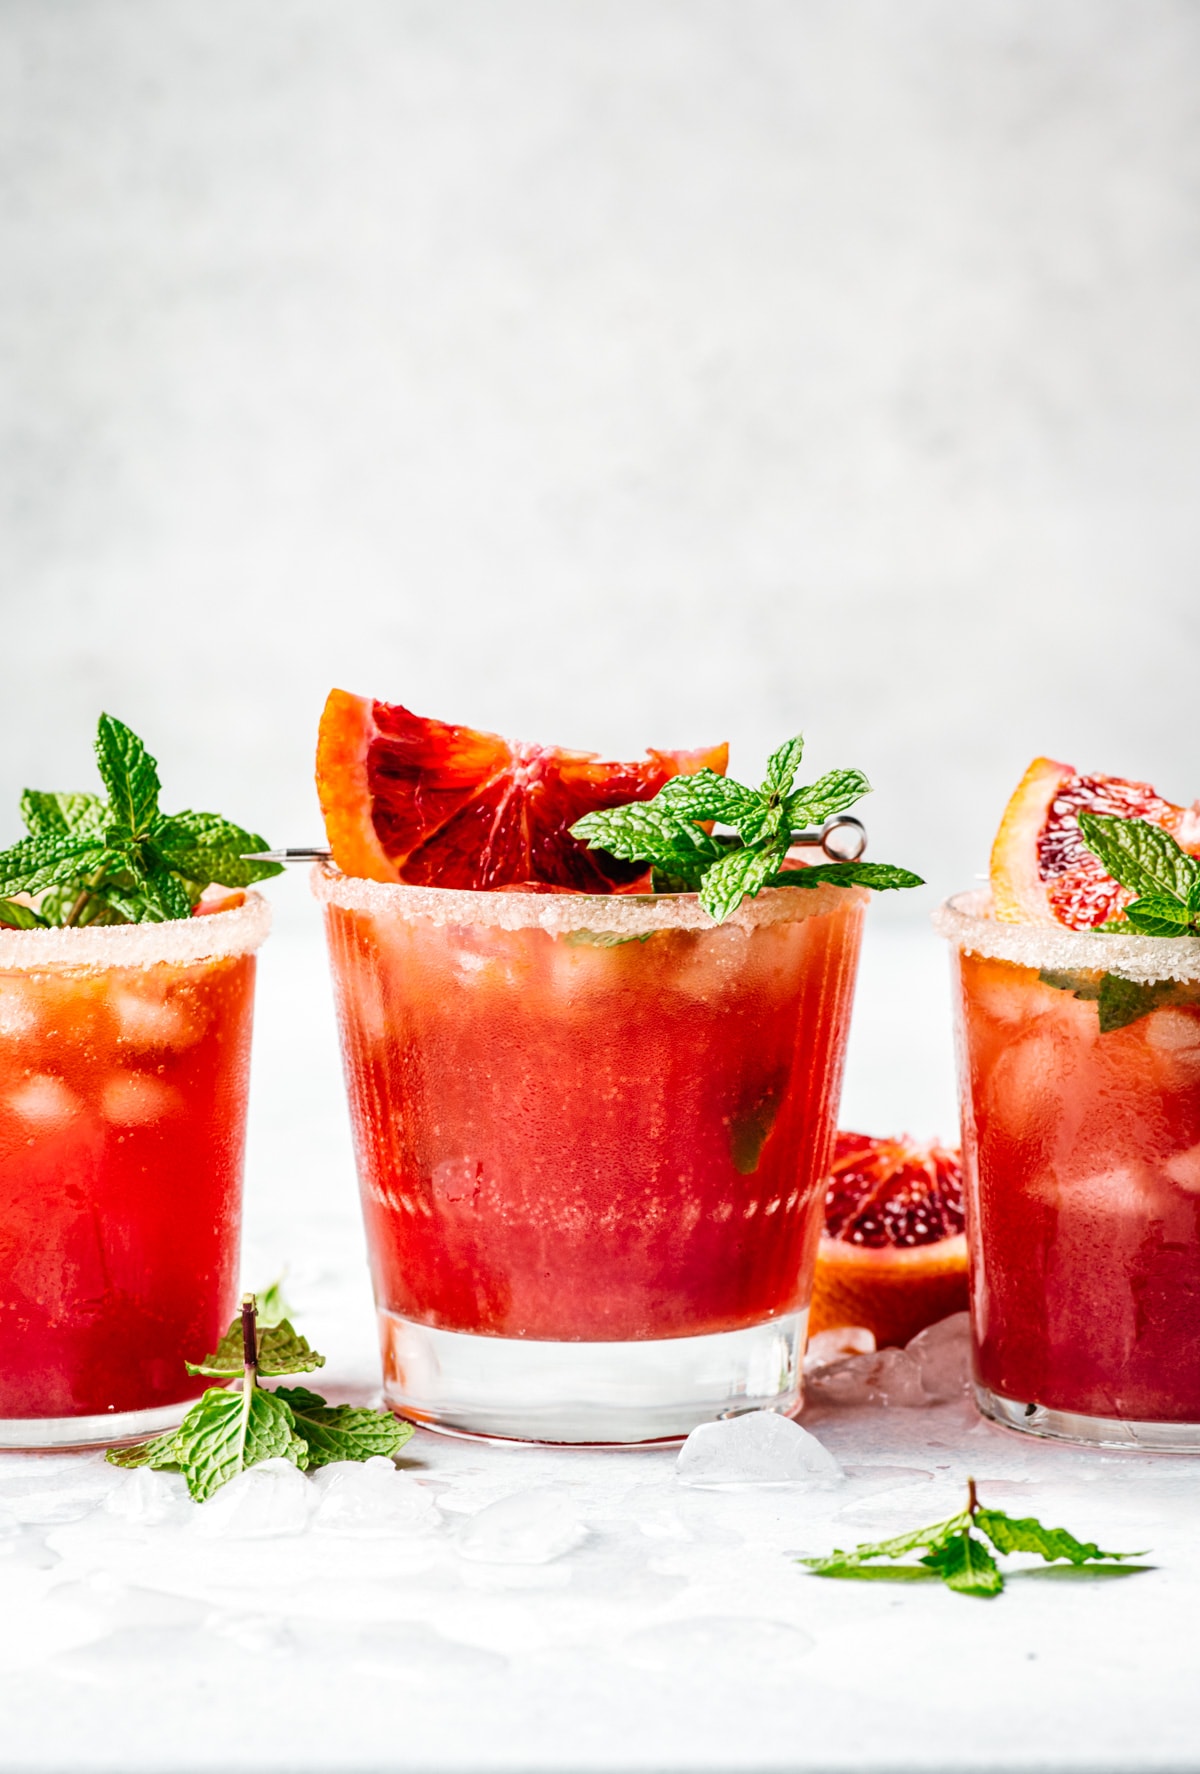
592, 1134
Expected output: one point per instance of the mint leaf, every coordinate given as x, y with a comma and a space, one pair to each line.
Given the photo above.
740, 873
1157, 915
830, 794
39, 862
643, 832
225, 1432
157, 1453
964, 1564
1140, 856
203, 848
1125, 1001
707, 796
80, 815
129, 774
281, 1350
882, 876
927, 1539
1078, 984
782, 766
271, 1306
342, 1431
1009, 1533
20, 917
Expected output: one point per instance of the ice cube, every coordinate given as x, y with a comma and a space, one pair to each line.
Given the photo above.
942, 1353
889, 1377
44, 1102
372, 1499
147, 1020
131, 1099
1183, 1168
1174, 1032
18, 1016
528, 1528
755, 1448
268, 1500
145, 1498
833, 1345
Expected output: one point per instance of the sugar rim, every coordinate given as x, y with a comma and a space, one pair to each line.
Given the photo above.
967, 921
561, 914
214, 937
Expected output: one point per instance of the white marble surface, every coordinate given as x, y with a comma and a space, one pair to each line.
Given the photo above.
671, 1631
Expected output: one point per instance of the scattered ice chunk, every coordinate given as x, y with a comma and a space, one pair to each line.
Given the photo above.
889, 1377
755, 1448
268, 1500
145, 1498
833, 1345
44, 1102
131, 1099
942, 1353
371, 1498
529, 1528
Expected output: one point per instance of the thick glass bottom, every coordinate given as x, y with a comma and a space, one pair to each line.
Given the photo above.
596, 1393
1096, 1432
89, 1432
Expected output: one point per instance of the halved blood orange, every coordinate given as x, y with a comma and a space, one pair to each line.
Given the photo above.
410, 799
1042, 872
893, 1256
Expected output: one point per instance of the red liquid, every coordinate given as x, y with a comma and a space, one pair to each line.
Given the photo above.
1082, 1160
566, 1141
122, 1119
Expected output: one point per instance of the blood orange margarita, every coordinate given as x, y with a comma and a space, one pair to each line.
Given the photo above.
591, 1134
1080, 1085
124, 1066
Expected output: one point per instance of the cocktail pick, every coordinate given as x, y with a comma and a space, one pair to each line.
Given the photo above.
843, 839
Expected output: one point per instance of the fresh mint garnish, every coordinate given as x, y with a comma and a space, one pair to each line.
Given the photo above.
119, 860
669, 832
958, 1551
1149, 862
230, 1429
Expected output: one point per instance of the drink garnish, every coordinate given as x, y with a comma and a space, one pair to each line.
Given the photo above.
119, 861
672, 833
1151, 863
960, 1550
230, 1429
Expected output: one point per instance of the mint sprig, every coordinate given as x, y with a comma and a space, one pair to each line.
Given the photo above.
119, 860
228, 1430
670, 833
961, 1551
1151, 863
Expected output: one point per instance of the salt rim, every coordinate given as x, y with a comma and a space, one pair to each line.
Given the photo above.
617, 914
967, 921
216, 936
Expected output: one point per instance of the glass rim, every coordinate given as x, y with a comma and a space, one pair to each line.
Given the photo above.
966, 920
616, 914
180, 942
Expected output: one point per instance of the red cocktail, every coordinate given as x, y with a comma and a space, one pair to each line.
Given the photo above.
591, 1136
1080, 1073
124, 1066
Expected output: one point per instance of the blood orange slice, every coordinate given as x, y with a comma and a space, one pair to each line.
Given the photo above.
893, 1256
409, 799
1042, 871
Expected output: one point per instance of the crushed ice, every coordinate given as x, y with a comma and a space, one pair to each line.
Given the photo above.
755, 1448
934, 1368
370, 1499
528, 1528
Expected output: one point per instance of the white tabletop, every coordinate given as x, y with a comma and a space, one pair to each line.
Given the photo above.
676, 1633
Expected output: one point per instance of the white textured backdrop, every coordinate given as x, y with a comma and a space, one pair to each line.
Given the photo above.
616, 372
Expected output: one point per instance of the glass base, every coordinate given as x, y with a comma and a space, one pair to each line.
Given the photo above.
1096, 1432
33, 1433
602, 1394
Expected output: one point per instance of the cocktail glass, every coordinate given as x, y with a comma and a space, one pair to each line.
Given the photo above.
1079, 1062
591, 1136
124, 1067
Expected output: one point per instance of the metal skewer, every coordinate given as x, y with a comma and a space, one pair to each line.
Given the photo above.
843, 839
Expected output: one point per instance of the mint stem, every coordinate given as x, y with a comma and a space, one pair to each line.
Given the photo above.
250, 1340
972, 1499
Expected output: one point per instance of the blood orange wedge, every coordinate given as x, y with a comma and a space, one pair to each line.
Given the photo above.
893, 1256
409, 799
1042, 871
